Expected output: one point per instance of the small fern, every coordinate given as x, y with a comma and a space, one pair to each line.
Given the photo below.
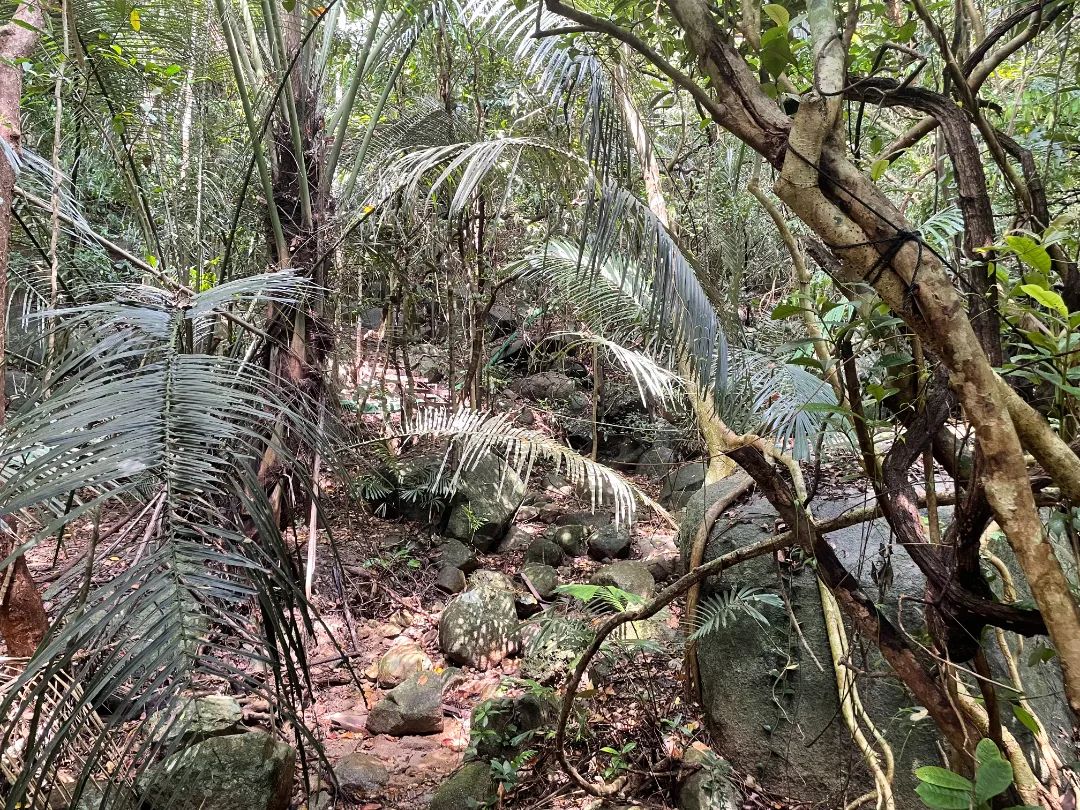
607, 597
714, 613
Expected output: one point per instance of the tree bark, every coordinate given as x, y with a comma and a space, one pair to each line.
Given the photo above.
23, 622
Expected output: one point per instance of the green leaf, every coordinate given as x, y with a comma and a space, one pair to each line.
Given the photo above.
1048, 298
877, 170
993, 773
940, 798
288, 4
777, 13
783, 311
1029, 251
1026, 718
906, 31
944, 778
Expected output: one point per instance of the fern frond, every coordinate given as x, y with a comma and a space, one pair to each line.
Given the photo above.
717, 611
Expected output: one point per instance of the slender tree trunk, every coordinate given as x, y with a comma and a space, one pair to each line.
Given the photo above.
23, 622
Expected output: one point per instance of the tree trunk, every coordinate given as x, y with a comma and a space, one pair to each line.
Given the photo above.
23, 622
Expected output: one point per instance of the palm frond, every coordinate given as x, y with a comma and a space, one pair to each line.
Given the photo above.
477, 434
717, 611
940, 227
195, 604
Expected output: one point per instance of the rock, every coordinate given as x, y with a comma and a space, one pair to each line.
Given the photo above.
517, 539
527, 514
547, 385
502, 728
413, 707
195, 720
526, 418
451, 579
502, 319
488, 495
401, 661
628, 575
457, 554
544, 578
470, 787
251, 770
479, 627
591, 519
491, 579
558, 483
429, 365
570, 539
681, 484
543, 550
360, 776
526, 605
609, 543
709, 786
660, 555
656, 462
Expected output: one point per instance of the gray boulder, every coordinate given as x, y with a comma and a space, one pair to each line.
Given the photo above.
517, 539
487, 497
656, 462
547, 385
570, 539
479, 628
451, 579
457, 554
709, 785
491, 579
681, 483
627, 575
543, 550
360, 776
252, 770
470, 787
197, 719
413, 707
544, 578
609, 543
592, 519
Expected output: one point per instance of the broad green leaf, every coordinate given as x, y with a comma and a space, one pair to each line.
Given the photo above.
135, 18
785, 311
1026, 718
778, 14
877, 170
993, 773
288, 4
1048, 298
943, 778
940, 798
906, 31
1029, 251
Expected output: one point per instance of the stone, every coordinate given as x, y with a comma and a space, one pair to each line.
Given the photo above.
488, 494
360, 776
681, 483
543, 550
401, 661
468, 788
197, 719
479, 628
502, 728
413, 707
592, 519
547, 385
527, 514
451, 579
551, 644
660, 555
544, 578
709, 785
656, 462
517, 539
457, 554
490, 579
609, 543
526, 605
570, 539
250, 770
627, 575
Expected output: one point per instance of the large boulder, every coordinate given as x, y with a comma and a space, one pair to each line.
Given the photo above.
455, 553
471, 786
479, 628
543, 578
413, 707
709, 785
197, 719
627, 575
547, 385
488, 494
360, 776
609, 543
570, 538
544, 550
251, 770
681, 484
